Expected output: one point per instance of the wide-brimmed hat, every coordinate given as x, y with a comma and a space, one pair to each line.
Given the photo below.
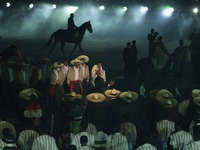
44, 59
23, 64
73, 95
96, 97
26, 93
170, 103
55, 65
197, 100
129, 96
9, 139
195, 93
152, 94
164, 94
75, 60
28, 59
83, 57
10, 62
112, 93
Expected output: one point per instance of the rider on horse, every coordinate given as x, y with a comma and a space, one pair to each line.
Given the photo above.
72, 28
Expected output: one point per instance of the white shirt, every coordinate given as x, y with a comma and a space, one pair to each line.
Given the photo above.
44, 142
194, 145
56, 73
85, 148
76, 74
6, 124
91, 129
23, 74
11, 74
66, 68
26, 138
117, 141
39, 74
146, 147
76, 139
99, 137
83, 68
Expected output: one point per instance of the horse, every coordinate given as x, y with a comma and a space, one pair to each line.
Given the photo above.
10, 52
63, 36
171, 66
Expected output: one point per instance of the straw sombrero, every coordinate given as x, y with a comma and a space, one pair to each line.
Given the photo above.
152, 94
170, 103
129, 96
73, 96
164, 94
112, 93
26, 93
75, 60
55, 65
10, 62
195, 93
44, 59
83, 57
96, 97
197, 100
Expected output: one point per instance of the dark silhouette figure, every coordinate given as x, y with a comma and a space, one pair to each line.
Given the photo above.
150, 37
127, 60
63, 36
71, 26
134, 53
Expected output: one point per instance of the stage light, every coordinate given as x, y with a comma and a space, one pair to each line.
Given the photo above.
54, 6
102, 7
31, 6
144, 9
124, 8
195, 10
167, 12
72, 9
7, 4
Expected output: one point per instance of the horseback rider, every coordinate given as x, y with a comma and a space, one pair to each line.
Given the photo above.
71, 26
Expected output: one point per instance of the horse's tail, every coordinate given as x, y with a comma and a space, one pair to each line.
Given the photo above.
50, 41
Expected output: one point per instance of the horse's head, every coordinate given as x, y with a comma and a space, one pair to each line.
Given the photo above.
89, 27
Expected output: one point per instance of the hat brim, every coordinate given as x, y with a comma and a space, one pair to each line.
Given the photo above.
123, 96
9, 141
23, 94
83, 57
197, 101
45, 59
76, 60
173, 105
68, 96
195, 93
91, 98
160, 93
108, 93
152, 94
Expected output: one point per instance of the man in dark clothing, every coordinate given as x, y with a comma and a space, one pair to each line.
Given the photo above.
71, 26
100, 85
134, 54
150, 37
194, 46
127, 60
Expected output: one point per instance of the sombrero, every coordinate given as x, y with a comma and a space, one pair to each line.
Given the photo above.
73, 95
197, 100
195, 93
28, 59
10, 62
96, 97
26, 93
75, 60
164, 94
129, 96
44, 59
23, 64
112, 93
152, 94
170, 103
55, 65
83, 57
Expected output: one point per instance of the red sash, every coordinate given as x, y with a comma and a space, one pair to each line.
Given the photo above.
72, 85
51, 91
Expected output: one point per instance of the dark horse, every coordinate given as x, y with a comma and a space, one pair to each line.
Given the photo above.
63, 36
10, 52
171, 67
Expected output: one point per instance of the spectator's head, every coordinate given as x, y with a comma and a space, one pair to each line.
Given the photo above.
65, 62
5, 132
4, 117
160, 39
100, 127
134, 42
83, 140
84, 125
117, 128
181, 125
181, 42
156, 34
99, 73
146, 137
99, 64
72, 15
128, 44
43, 129
29, 124
71, 147
152, 30
33, 98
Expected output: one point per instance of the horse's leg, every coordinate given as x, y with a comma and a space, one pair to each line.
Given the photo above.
80, 47
54, 44
62, 49
73, 50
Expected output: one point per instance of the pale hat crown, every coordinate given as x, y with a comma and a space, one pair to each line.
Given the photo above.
169, 102
96, 96
129, 95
